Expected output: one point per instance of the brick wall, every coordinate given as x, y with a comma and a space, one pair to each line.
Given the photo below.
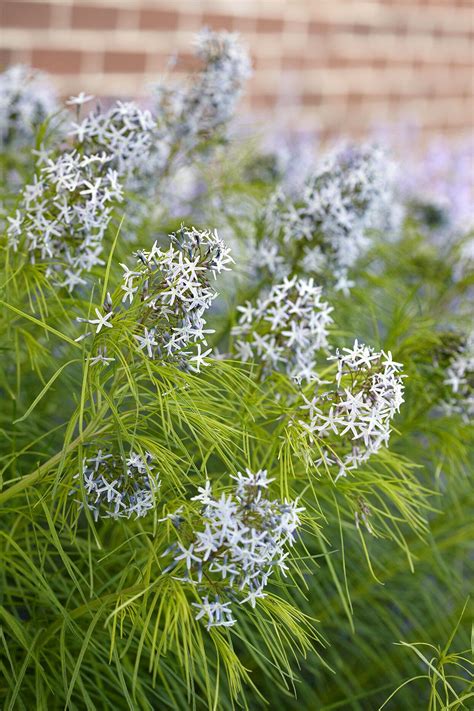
327, 65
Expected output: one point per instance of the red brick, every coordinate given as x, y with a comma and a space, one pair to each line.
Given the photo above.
311, 99
57, 61
159, 63
92, 17
24, 14
382, 62
188, 62
264, 101
243, 24
155, 19
217, 22
267, 24
360, 29
316, 27
293, 63
296, 26
5, 58
259, 63
355, 98
125, 62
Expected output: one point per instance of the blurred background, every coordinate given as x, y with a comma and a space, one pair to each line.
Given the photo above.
327, 67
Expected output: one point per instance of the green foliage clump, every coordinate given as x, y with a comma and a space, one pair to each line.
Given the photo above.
189, 524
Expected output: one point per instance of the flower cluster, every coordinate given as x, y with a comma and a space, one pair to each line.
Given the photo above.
209, 101
459, 378
292, 158
285, 329
172, 291
369, 391
325, 229
239, 542
227, 67
26, 100
65, 211
125, 132
118, 488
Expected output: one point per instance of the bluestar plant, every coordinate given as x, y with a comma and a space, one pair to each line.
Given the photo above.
238, 541
323, 230
322, 466
27, 99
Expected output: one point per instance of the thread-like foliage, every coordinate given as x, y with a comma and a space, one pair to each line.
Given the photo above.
213, 493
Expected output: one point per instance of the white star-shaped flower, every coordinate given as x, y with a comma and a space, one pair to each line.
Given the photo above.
101, 320
147, 341
198, 359
80, 99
